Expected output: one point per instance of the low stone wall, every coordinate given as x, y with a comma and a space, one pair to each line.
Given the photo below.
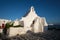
13, 31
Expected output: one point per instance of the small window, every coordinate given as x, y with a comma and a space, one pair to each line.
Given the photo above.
33, 22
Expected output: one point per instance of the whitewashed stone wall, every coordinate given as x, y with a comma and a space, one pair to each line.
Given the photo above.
1, 30
16, 22
13, 31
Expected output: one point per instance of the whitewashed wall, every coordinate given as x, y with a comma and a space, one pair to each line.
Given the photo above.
1, 30
13, 31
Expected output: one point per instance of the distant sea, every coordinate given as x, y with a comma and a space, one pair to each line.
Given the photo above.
53, 27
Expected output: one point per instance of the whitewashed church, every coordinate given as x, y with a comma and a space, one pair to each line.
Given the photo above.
31, 21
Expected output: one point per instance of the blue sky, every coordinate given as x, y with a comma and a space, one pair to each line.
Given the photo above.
13, 9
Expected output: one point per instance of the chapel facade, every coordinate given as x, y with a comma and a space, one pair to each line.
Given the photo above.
33, 22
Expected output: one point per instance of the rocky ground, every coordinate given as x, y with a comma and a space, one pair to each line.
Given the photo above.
49, 35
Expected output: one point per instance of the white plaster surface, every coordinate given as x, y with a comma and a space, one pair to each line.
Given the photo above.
13, 31
38, 24
1, 30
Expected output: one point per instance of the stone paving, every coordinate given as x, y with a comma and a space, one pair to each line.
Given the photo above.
49, 35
